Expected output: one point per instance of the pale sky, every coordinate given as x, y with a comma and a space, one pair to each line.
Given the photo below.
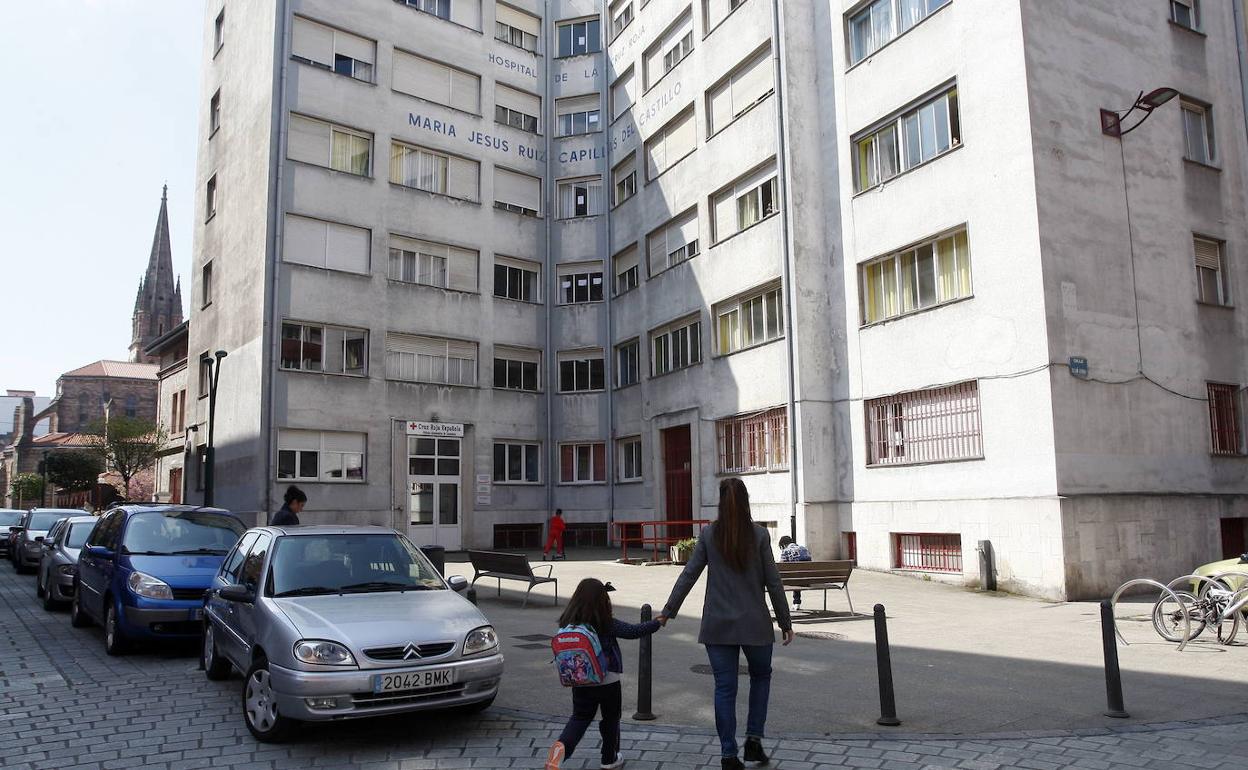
101, 100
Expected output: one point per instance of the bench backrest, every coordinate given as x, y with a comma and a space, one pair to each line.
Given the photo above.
499, 561
826, 570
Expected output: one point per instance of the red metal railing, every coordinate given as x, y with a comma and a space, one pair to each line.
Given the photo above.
660, 533
928, 551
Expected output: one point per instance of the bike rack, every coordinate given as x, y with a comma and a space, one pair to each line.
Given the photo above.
1187, 618
1239, 599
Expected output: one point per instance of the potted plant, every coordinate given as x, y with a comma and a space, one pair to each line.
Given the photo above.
682, 549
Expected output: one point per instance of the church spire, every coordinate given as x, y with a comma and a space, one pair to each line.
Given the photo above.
158, 308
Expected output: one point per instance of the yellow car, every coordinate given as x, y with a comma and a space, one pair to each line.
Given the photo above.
1218, 567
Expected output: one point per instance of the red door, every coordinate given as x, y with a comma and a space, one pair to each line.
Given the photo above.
1233, 540
678, 479
175, 485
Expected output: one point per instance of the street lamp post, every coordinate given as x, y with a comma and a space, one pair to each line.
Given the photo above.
214, 376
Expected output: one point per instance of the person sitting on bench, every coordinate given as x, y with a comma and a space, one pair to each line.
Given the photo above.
791, 551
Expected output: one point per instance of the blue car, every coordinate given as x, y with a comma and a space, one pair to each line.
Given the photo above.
143, 572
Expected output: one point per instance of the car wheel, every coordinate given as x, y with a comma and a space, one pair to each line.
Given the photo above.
39, 592
216, 667
260, 707
115, 642
77, 618
49, 603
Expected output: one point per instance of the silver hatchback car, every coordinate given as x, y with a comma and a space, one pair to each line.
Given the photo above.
330, 622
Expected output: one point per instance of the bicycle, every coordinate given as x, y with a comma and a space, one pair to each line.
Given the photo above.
1216, 605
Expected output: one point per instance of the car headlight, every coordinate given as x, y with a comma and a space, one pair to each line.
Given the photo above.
66, 569
150, 587
319, 652
480, 639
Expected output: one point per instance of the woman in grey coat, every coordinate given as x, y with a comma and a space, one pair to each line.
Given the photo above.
735, 617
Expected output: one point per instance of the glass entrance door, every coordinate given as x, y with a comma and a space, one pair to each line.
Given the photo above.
434, 491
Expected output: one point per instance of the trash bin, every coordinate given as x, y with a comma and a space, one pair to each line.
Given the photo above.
437, 555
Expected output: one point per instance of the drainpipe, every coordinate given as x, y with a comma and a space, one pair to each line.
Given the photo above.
1241, 46
782, 174
276, 226
608, 272
552, 451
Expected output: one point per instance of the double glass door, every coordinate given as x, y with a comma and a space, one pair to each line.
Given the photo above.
434, 491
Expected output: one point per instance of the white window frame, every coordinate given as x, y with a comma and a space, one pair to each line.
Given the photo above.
1216, 265
765, 196
440, 167
737, 329
322, 455
676, 256
961, 256
583, 281
581, 197
1207, 153
624, 281
889, 27
432, 264
585, 360
621, 16
629, 460
629, 350
437, 8
348, 334
1192, 8
445, 359
592, 42
356, 69
526, 448
867, 146
625, 187
661, 137
668, 341
592, 120
577, 448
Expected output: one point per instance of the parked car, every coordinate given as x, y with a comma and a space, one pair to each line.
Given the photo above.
1218, 567
144, 569
54, 580
35, 525
9, 519
330, 623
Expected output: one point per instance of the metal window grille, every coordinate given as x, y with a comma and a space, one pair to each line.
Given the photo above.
755, 442
1224, 419
928, 552
925, 426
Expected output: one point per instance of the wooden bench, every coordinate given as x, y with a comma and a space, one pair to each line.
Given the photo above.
510, 566
817, 576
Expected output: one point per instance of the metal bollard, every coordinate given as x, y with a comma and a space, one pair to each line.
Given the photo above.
472, 596
645, 672
1113, 676
884, 668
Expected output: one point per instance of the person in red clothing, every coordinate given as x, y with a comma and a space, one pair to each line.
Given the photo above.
554, 535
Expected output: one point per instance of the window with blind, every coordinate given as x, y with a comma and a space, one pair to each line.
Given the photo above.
516, 279
623, 93
332, 49
750, 83
579, 37
628, 363
1198, 132
433, 264
628, 454
627, 269
517, 368
436, 82
906, 141
624, 179
583, 463
324, 349
1224, 420
315, 455
516, 108
881, 21
1185, 13
580, 283
745, 203
423, 169
749, 320
581, 197
578, 114
915, 278
516, 192
1211, 284
671, 144
466, 13
328, 145
673, 243
329, 245
675, 346
925, 426
416, 358
715, 11
581, 371
621, 13
670, 49
517, 462
754, 442
516, 27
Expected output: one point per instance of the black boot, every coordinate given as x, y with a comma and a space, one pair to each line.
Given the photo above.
731, 763
754, 751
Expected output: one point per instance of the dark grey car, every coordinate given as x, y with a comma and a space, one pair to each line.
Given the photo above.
35, 525
9, 517
54, 582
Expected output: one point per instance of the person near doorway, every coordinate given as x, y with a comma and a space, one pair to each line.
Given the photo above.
288, 514
554, 535
735, 617
791, 551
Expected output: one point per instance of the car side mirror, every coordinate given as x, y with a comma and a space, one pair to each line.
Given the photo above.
458, 583
237, 593
99, 551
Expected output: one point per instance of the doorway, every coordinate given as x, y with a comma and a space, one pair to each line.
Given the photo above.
678, 480
1234, 542
433, 482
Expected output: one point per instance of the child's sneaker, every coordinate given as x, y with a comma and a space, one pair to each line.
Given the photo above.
619, 762
555, 756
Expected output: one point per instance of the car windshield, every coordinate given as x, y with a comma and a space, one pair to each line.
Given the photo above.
78, 534
167, 533
305, 565
42, 522
10, 518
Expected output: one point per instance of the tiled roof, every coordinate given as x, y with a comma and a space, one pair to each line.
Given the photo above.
124, 369
63, 440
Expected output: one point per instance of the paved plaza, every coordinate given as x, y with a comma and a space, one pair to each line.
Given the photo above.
65, 704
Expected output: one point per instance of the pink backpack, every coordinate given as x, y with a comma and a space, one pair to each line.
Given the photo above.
579, 656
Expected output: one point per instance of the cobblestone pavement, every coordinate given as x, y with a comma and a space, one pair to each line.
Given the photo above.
65, 704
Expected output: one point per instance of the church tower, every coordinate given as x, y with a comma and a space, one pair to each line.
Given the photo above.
158, 306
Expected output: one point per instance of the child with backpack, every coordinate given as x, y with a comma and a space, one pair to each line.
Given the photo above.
587, 654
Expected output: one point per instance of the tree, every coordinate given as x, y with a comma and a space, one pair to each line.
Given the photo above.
127, 445
74, 471
27, 487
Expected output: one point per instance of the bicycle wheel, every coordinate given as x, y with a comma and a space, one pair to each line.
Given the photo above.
1168, 617
1227, 628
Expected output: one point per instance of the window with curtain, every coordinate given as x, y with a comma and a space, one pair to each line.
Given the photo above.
584, 463
877, 24
416, 358
925, 426
675, 346
580, 198
908, 140
749, 320
419, 168
351, 151
929, 274
432, 264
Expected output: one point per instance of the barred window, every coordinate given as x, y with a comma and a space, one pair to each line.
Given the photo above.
925, 426
928, 552
754, 442
1224, 427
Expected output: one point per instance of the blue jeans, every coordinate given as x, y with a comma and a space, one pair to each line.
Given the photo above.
724, 659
